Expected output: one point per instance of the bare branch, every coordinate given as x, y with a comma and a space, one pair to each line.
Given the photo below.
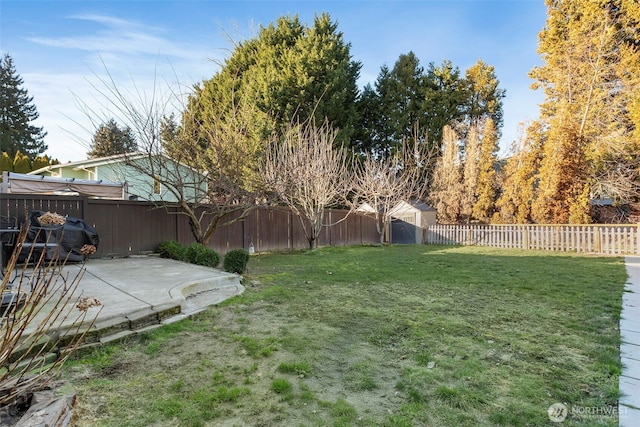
35, 321
382, 183
307, 174
201, 167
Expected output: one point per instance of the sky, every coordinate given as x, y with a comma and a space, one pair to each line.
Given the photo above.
67, 52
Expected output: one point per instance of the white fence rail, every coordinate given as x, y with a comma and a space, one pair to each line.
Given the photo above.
604, 239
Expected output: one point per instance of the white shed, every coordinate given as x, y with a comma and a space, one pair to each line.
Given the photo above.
409, 220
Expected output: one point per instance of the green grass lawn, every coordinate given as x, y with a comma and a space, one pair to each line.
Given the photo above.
376, 336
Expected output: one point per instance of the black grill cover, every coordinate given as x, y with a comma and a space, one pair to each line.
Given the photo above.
71, 237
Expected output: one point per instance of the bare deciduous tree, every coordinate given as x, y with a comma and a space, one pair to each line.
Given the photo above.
206, 164
382, 183
307, 174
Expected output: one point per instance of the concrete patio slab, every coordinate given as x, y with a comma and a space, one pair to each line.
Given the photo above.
145, 291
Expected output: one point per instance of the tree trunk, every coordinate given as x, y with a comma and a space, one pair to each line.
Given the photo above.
380, 227
196, 230
313, 242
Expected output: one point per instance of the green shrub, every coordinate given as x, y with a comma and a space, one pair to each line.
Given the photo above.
235, 261
171, 249
199, 254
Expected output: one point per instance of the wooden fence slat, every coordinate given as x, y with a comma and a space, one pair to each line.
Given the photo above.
610, 239
132, 227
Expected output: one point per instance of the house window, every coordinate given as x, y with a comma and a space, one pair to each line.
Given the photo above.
156, 184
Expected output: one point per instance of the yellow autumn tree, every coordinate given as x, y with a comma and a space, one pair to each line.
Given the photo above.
21, 163
563, 176
470, 173
519, 177
446, 188
590, 78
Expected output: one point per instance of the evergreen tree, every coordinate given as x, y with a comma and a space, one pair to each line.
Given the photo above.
288, 73
403, 95
377, 107
17, 112
6, 163
407, 97
367, 138
42, 161
487, 187
110, 139
21, 163
444, 99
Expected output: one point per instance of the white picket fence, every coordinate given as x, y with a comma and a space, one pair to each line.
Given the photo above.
603, 239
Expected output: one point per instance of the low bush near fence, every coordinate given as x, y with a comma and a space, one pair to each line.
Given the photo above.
196, 253
235, 261
199, 254
171, 249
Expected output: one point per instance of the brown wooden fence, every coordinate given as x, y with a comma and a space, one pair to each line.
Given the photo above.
132, 227
604, 239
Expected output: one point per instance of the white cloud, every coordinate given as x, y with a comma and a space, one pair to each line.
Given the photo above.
122, 37
135, 58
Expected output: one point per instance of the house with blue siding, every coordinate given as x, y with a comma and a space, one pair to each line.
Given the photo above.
147, 177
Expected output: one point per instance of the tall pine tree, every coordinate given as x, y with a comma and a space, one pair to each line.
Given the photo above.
17, 112
289, 72
487, 188
111, 139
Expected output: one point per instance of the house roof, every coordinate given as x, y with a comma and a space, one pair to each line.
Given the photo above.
108, 160
416, 204
366, 207
421, 205
98, 161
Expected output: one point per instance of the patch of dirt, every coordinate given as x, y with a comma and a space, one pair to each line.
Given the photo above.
234, 347
119, 369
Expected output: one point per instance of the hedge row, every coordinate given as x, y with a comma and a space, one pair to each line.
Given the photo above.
235, 261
